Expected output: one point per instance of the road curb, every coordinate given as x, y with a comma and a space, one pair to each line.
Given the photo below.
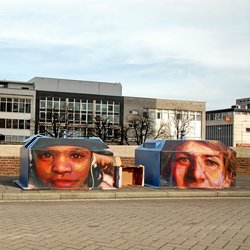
101, 195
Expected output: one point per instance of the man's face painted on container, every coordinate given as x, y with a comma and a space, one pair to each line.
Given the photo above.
63, 167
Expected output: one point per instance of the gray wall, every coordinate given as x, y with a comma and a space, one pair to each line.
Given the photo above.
75, 86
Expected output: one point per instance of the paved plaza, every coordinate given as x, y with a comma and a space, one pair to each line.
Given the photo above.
184, 223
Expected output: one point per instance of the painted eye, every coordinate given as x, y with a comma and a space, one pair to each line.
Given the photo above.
183, 160
77, 156
46, 155
211, 164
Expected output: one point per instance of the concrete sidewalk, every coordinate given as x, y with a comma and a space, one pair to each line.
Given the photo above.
9, 191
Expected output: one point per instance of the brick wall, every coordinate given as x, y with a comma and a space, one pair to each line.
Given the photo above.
127, 161
243, 166
9, 166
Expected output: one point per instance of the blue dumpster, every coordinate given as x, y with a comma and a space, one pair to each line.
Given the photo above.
187, 163
149, 155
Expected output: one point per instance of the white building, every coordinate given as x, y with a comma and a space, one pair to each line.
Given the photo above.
231, 126
17, 110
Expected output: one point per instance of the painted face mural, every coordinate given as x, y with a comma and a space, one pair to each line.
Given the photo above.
200, 164
70, 164
63, 166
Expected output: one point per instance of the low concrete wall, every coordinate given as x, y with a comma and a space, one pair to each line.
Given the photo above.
242, 152
10, 157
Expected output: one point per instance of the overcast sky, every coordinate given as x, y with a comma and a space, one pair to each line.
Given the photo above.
195, 50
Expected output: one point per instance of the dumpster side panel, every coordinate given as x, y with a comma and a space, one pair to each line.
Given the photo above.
24, 167
165, 169
150, 159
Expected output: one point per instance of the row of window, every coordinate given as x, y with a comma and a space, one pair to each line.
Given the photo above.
16, 105
81, 132
79, 105
219, 116
170, 114
78, 111
15, 138
14, 123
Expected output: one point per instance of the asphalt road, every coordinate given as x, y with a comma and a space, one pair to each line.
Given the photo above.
126, 224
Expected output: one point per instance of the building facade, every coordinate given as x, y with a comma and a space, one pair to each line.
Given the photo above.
230, 126
41, 104
74, 104
163, 113
17, 110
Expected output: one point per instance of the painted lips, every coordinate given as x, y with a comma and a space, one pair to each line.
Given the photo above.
64, 183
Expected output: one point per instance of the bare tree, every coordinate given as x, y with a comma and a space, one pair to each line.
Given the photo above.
181, 123
58, 126
138, 130
163, 132
102, 127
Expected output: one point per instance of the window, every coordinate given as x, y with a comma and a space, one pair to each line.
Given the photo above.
49, 104
191, 117
117, 108
116, 119
21, 124
27, 124
110, 108
42, 104
134, 112
90, 119
71, 105
62, 105
3, 104
21, 106
9, 123
84, 106
15, 123
27, 108
56, 105
42, 116
62, 116
77, 106
158, 115
2, 123
198, 117
9, 105
84, 117
104, 108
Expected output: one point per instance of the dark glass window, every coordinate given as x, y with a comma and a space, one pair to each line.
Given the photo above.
27, 124
9, 123
15, 123
2, 123
15, 107
9, 105
21, 124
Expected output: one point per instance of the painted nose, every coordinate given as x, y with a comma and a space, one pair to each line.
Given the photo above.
61, 165
199, 170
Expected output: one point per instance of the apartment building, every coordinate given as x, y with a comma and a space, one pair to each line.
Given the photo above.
17, 110
231, 126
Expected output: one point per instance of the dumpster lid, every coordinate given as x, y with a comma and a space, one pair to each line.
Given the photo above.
94, 144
